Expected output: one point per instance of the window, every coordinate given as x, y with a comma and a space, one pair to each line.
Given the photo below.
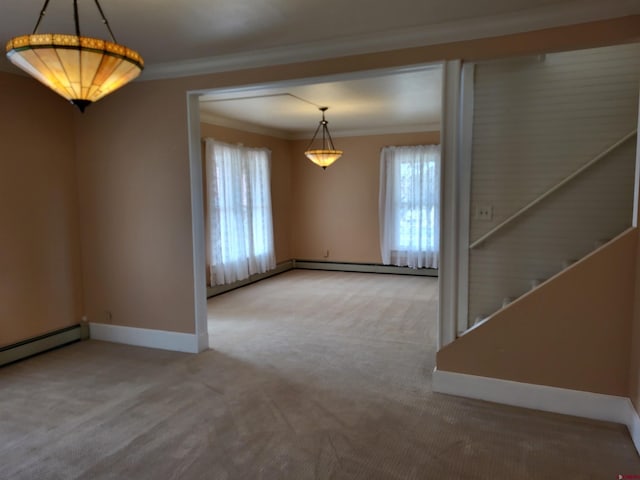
409, 205
239, 227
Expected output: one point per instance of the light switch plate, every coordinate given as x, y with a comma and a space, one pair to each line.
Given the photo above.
484, 212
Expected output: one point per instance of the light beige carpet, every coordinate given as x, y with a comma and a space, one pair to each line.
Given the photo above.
313, 375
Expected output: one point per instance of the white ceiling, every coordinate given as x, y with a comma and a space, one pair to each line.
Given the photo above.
179, 37
406, 101
187, 37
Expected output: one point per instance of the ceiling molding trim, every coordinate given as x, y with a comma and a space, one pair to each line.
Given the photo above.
211, 119
578, 11
383, 130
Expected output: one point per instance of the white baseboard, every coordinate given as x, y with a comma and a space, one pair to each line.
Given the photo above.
203, 342
143, 337
633, 424
596, 406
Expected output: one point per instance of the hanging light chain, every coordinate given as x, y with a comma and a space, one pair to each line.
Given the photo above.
325, 132
43, 12
76, 19
106, 22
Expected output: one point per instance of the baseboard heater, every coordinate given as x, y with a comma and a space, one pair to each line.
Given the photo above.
363, 268
323, 265
220, 289
42, 343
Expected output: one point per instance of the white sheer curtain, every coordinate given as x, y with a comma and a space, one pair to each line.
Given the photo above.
410, 205
239, 225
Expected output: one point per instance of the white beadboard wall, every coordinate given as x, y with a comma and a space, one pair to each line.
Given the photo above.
537, 120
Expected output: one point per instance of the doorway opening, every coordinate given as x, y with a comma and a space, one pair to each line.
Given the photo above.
322, 220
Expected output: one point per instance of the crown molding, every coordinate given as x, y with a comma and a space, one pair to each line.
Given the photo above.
211, 119
572, 13
383, 130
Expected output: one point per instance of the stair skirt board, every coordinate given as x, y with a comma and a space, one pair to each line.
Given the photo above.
537, 282
144, 337
40, 344
595, 406
322, 265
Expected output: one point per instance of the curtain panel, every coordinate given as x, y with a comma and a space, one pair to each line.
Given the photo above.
409, 206
239, 226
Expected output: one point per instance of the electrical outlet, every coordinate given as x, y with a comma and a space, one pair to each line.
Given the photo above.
108, 316
484, 212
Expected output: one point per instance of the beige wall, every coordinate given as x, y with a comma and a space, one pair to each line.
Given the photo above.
39, 240
134, 197
315, 210
281, 201
133, 172
571, 332
133, 176
337, 209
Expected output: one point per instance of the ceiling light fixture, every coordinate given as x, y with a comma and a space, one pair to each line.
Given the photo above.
81, 69
328, 154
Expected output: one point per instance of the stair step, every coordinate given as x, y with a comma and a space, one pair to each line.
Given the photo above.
478, 319
534, 283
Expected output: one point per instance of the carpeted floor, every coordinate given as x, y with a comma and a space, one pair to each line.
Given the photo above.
312, 375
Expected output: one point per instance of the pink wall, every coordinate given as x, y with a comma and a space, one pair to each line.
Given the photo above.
39, 240
280, 179
135, 212
572, 332
133, 171
337, 209
134, 199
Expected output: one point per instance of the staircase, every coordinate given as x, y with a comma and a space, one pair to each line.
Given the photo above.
574, 217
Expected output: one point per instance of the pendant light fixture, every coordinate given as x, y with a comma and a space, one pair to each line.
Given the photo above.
81, 69
327, 154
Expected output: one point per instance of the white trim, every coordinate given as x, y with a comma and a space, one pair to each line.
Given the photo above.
211, 119
596, 406
144, 337
636, 185
568, 13
244, 90
197, 222
195, 146
384, 130
464, 174
633, 424
449, 198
